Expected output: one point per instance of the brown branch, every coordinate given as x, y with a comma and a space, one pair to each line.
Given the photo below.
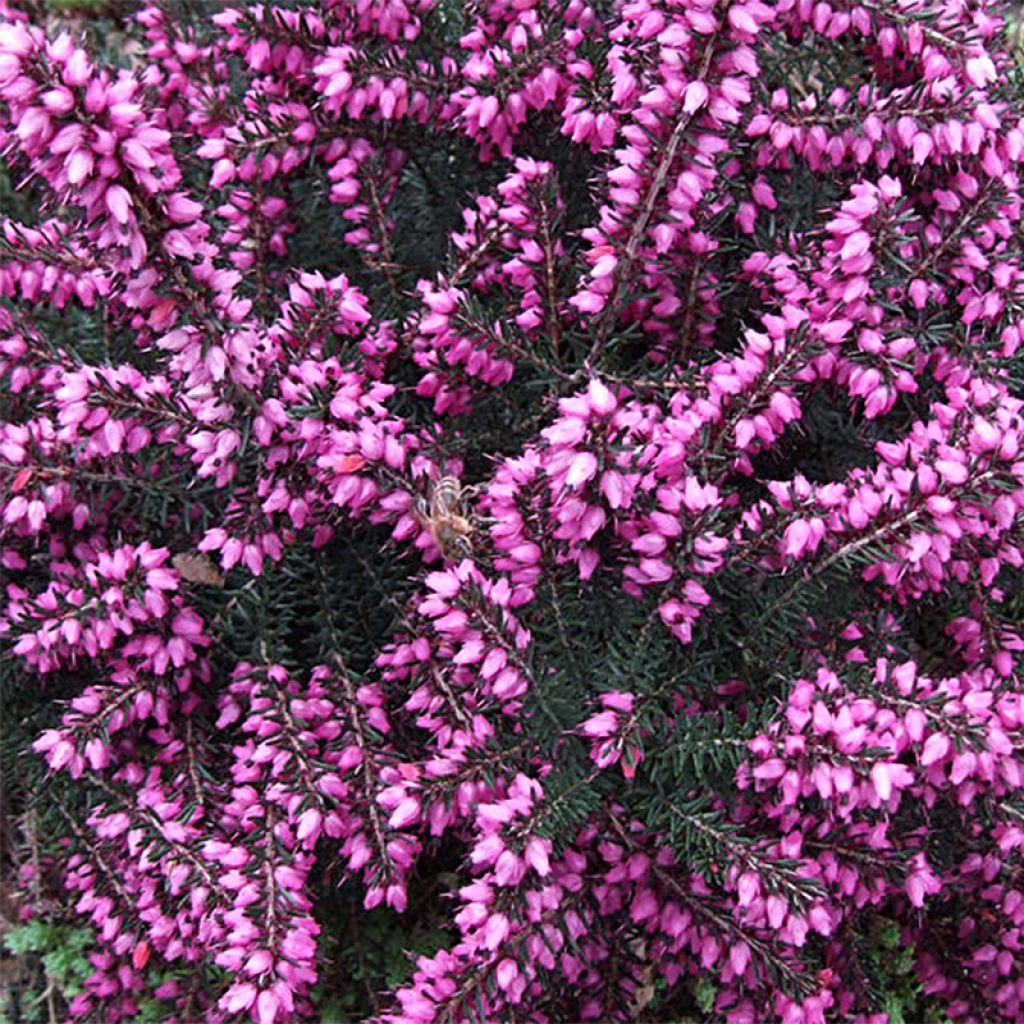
724, 924
608, 318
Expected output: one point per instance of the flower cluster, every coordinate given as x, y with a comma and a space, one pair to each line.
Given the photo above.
552, 468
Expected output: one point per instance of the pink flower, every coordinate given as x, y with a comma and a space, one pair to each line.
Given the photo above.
495, 931
407, 812
603, 723
695, 96
887, 777
509, 869
935, 749
239, 997
581, 469
506, 973
267, 1007
537, 854
796, 538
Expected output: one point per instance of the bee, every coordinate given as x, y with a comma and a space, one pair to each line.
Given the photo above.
198, 568
445, 516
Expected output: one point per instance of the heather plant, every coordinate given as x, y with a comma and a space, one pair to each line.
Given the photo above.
541, 476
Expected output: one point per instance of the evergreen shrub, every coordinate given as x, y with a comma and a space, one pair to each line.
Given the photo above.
546, 472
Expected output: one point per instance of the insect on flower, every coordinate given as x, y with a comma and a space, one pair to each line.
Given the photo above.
445, 516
